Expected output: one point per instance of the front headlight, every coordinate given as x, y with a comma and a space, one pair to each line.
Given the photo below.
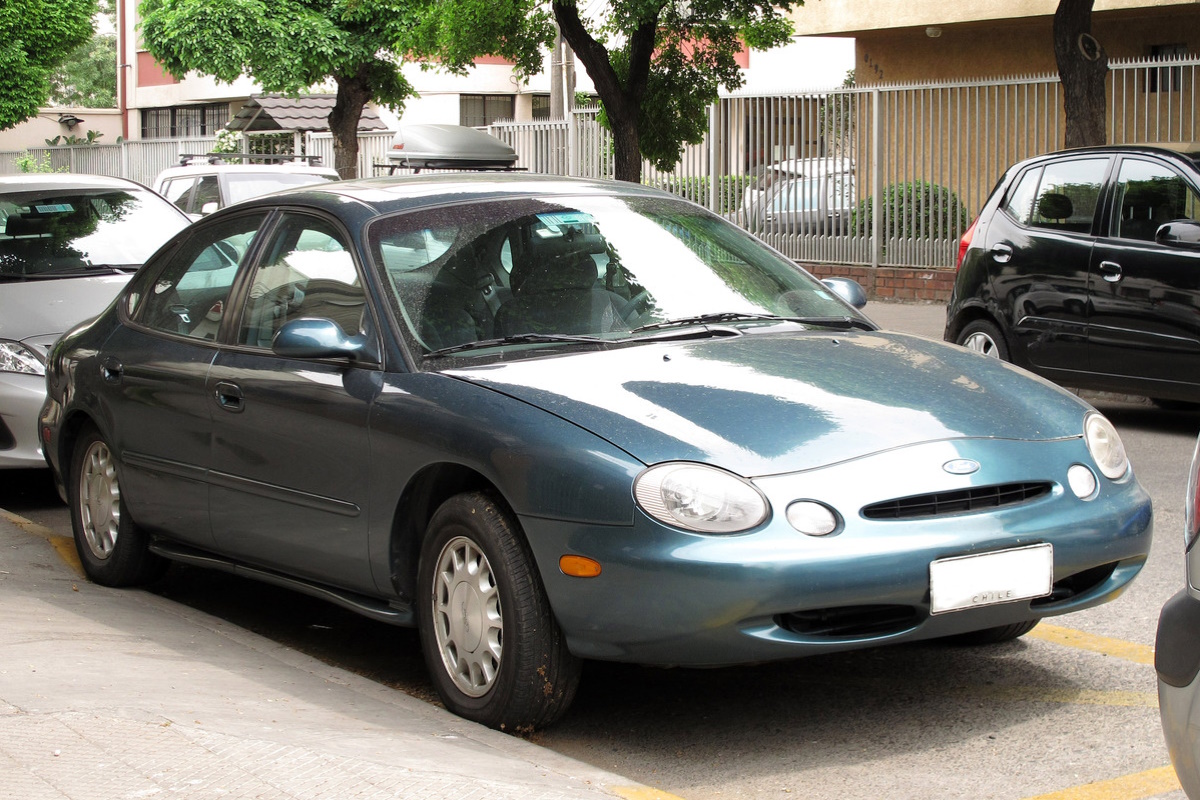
1105, 446
16, 357
700, 498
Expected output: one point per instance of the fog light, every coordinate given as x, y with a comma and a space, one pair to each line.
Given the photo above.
811, 518
1082, 481
579, 566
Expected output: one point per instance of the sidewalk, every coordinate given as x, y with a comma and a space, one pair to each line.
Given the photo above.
108, 694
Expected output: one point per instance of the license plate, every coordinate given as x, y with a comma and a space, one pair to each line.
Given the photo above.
987, 579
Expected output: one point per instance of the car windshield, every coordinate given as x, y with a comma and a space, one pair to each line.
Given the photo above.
68, 232
255, 184
519, 275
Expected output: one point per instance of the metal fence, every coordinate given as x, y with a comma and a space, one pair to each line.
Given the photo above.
876, 176
879, 175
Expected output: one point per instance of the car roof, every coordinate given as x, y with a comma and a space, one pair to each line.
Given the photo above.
252, 169
386, 194
1189, 151
65, 180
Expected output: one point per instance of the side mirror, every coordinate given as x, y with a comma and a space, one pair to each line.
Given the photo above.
847, 290
1181, 233
209, 208
317, 338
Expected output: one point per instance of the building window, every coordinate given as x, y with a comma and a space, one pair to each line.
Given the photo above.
541, 106
1166, 79
182, 121
481, 110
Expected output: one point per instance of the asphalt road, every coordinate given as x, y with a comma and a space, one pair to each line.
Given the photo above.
1069, 712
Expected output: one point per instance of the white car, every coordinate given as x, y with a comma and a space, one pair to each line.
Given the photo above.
68, 244
199, 187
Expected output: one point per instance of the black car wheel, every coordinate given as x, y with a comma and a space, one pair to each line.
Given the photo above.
493, 648
113, 551
984, 337
1001, 633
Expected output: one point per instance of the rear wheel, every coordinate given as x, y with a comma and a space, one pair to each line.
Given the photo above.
112, 550
490, 641
1001, 633
984, 337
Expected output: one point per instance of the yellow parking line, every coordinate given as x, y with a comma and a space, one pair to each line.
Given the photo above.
63, 545
1117, 648
643, 793
1128, 787
1080, 697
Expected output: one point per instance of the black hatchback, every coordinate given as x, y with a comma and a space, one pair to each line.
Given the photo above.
1084, 267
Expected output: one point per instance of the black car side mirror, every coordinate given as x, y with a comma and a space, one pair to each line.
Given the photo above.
317, 338
1182, 233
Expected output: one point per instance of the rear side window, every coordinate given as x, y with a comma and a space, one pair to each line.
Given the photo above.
1020, 199
1150, 194
1067, 195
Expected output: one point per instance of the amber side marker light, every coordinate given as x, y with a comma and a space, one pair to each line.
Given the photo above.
579, 567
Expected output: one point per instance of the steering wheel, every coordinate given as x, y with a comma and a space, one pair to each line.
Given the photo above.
634, 307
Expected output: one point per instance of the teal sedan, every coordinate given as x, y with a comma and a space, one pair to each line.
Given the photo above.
548, 420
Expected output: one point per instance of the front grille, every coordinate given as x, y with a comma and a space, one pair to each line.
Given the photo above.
960, 501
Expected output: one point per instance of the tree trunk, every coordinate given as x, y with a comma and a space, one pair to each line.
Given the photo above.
1083, 70
353, 95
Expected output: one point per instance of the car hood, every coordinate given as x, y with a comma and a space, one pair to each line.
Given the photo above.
37, 312
763, 404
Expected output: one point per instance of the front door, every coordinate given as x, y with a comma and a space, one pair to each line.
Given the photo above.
290, 479
1145, 296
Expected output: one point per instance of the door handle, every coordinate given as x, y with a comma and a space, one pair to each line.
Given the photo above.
229, 396
1111, 271
1001, 253
111, 370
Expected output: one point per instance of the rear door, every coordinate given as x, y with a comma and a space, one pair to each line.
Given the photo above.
155, 371
1040, 244
1145, 296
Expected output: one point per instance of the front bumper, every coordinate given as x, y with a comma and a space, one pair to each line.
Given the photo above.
1177, 662
669, 597
21, 398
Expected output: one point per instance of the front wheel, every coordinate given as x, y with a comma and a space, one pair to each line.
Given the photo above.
492, 646
112, 550
984, 337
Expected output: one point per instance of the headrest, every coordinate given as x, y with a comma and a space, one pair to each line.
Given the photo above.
18, 225
573, 271
1055, 206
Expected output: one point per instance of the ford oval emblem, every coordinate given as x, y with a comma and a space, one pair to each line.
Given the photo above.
961, 466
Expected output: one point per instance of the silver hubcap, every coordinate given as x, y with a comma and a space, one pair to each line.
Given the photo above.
981, 343
99, 500
467, 618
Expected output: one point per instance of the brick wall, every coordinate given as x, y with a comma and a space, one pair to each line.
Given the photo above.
893, 283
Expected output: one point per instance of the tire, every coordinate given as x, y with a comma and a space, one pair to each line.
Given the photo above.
1002, 633
492, 646
982, 336
112, 550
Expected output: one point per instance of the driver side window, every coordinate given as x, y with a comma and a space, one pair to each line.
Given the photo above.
306, 272
189, 295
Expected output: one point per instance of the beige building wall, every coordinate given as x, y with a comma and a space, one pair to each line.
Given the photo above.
927, 40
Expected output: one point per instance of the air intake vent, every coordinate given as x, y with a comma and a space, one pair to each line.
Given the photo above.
960, 501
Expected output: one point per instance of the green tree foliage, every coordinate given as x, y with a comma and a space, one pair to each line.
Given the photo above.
292, 46
657, 64
35, 37
88, 78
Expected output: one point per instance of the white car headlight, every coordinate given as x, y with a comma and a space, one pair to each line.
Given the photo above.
16, 357
700, 498
1105, 446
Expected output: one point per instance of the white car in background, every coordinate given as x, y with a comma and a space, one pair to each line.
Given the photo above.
68, 244
205, 183
800, 195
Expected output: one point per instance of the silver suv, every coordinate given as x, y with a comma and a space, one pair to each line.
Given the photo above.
204, 183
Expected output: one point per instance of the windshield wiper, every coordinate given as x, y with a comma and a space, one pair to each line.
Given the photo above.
520, 338
83, 269
843, 322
